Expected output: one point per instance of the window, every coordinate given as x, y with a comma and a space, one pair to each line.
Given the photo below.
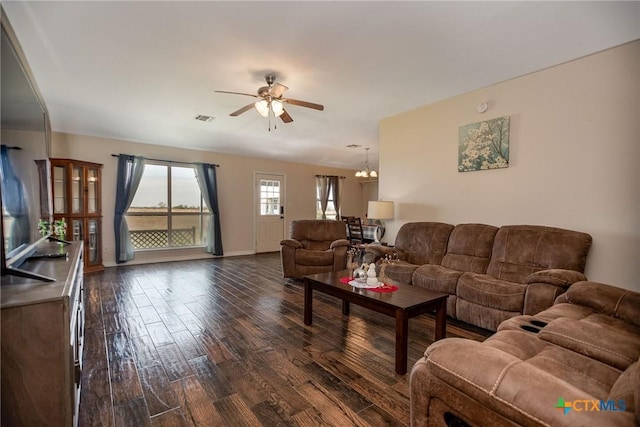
331, 208
269, 197
168, 210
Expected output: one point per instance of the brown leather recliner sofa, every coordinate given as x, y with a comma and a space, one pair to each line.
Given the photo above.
314, 246
576, 363
490, 273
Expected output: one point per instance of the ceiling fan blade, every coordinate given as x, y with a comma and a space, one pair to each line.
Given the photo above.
304, 104
277, 90
242, 110
236, 93
286, 117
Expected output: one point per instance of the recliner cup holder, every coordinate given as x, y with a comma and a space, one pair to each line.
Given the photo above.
538, 323
530, 328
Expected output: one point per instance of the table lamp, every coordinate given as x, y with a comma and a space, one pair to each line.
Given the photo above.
379, 210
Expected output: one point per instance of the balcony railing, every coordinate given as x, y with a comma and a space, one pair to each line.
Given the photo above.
147, 239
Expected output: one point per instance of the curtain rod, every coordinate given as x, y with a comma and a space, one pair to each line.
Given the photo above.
166, 161
12, 148
328, 176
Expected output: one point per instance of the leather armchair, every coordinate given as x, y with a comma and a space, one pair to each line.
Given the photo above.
314, 246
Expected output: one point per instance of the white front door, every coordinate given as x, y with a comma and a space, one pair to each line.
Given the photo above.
269, 212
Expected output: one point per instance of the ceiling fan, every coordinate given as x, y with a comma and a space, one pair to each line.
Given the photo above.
271, 101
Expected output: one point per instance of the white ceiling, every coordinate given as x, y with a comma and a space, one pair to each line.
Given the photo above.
141, 71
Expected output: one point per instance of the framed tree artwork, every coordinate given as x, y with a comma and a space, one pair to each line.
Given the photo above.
484, 145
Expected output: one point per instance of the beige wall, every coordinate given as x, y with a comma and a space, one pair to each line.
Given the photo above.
235, 189
574, 159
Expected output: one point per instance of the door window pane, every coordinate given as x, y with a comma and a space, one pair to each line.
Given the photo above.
269, 197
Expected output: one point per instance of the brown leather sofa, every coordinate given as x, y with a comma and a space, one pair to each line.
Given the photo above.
576, 363
490, 273
314, 246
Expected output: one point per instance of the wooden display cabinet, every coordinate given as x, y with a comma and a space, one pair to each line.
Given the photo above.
77, 198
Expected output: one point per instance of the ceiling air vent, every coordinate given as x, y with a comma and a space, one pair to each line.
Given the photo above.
203, 118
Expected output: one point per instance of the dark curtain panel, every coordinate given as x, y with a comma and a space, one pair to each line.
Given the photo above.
130, 169
13, 200
206, 175
336, 185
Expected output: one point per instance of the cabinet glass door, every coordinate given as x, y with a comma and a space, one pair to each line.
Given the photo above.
92, 190
76, 229
93, 244
76, 190
59, 189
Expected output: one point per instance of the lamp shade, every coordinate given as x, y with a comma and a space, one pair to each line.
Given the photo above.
380, 210
263, 107
277, 108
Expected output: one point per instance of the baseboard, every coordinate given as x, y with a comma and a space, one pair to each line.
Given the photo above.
150, 257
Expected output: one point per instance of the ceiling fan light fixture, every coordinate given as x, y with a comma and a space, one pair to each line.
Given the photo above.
277, 107
262, 107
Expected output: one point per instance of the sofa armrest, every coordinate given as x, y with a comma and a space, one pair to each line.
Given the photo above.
540, 296
291, 243
557, 277
339, 243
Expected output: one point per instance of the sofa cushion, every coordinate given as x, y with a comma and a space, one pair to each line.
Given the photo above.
520, 250
439, 279
469, 247
488, 291
400, 271
480, 315
598, 340
436, 278
313, 257
423, 242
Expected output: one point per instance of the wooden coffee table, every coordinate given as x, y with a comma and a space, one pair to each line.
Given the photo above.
403, 304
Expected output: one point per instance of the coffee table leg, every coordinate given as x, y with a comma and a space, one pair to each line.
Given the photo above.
402, 342
345, 307
441, 321
308, 302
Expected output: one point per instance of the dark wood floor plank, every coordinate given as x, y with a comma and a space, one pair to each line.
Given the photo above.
173, 418
157, 390
96, 408
332, 409
131, 413
145, 352
125, 384
213, 381
174, 362
222, 341
189, 346
198, 409
235, 412
159, 334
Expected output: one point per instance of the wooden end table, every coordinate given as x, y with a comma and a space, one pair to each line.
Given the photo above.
407, 302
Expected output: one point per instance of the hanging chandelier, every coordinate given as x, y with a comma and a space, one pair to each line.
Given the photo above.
366, 171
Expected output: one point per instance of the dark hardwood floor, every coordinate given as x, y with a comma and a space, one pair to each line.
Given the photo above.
222, 342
